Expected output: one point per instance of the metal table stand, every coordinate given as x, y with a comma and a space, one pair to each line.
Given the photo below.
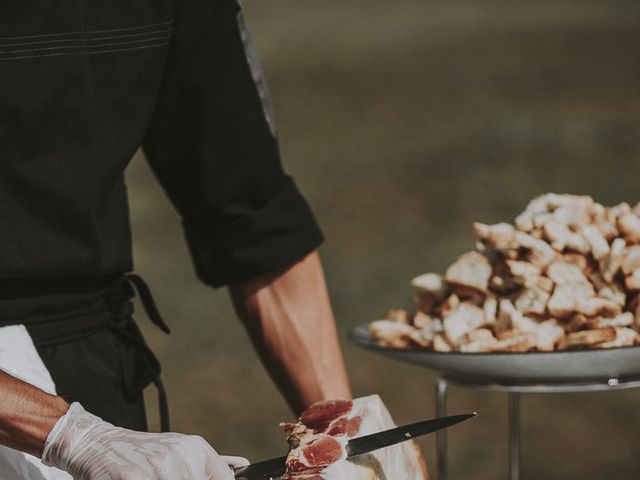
514, 391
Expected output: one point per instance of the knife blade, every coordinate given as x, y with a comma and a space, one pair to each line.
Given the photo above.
275, 467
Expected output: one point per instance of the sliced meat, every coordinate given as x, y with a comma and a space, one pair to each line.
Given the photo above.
463, 319
501, 236
572, 215
631, 261
540, 254
309, 474
428, 290
345, 426
532, 301
586, 338
441, 344
490, 308
625, 319
523, 273
625, 337
421, 319
521, 342
614, 293
576, 322
471, 271
322, 455
611, 263
578, 259
391, 334
561, 237
323, 450
399, 315
563, 301
481, 340
632, 282
597, 241
629, 225
595, 306
563, 273
431, 283
319, 415
548, 334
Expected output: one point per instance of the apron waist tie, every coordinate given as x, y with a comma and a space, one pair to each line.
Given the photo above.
65, 316
127, 329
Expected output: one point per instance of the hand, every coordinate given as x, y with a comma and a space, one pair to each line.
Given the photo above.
92, 449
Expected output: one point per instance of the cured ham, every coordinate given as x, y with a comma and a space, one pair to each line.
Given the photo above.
318, 444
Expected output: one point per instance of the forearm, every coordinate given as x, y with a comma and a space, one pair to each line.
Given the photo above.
27, 414
289, 319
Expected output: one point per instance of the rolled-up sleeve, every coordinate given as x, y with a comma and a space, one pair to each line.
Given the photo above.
212, 144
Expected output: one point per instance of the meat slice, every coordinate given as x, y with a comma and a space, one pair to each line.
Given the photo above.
322, 455
463, 319
629, 225
587, 338
428, 290
611, 263
563, 273
561, 237
319, 415
532, 301
625, 337
523, 273
541, 253
471, 271
631, 260
563, 301
632, 282
315, 454
312, 474
481, 340
391, 334
597, 241
345, 426
441, 343
548, 334
520, 342
597, 306
501, 236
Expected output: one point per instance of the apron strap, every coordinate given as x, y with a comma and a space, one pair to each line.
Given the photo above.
147, 301
64, 314
150, 308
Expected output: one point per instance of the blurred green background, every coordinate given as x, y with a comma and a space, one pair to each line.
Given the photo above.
403, 122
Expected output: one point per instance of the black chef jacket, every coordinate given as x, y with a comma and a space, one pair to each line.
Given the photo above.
84, 84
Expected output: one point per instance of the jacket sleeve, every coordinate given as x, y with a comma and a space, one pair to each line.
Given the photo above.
212, 144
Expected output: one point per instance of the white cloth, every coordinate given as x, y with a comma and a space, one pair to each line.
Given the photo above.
19, 357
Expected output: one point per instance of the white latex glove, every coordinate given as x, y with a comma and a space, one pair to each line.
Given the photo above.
92, 449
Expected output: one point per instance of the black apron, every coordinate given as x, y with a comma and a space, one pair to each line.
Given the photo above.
86, 336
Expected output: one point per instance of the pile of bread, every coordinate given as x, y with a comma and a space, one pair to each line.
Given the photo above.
566, 276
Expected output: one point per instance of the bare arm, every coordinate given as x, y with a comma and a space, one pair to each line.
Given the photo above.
27, 414
289, 319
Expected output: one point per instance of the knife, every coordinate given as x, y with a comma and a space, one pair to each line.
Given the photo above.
274, 468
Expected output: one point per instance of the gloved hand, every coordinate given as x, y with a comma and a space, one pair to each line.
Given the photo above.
91, 449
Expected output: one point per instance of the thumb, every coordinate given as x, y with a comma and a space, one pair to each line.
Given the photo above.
235, 462
217, 469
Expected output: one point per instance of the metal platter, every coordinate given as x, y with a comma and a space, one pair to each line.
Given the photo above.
568, 366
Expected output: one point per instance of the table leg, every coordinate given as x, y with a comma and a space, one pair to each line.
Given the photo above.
441, 435
514, 435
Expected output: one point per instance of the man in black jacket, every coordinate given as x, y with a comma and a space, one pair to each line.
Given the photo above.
82, 86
